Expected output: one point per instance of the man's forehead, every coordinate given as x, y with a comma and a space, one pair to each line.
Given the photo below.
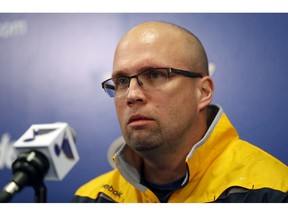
165, 43
143, 36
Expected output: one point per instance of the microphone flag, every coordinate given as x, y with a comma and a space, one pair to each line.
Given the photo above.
56, 141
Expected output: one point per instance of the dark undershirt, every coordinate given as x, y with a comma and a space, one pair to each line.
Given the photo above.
163, 191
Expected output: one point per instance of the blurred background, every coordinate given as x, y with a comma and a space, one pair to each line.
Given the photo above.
52, 66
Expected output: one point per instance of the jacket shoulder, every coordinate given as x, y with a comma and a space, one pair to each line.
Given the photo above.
94, 187
256, 168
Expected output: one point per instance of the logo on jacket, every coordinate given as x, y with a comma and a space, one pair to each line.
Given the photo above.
112, 190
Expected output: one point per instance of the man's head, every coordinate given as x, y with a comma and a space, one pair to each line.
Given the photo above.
172, 116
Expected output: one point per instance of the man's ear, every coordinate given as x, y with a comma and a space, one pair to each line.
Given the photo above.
206, 87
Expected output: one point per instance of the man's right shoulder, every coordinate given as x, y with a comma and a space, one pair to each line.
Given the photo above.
98, 185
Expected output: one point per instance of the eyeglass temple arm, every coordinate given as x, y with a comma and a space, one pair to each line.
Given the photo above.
187, 73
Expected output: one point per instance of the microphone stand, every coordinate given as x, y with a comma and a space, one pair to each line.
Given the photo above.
40, 193
29, 169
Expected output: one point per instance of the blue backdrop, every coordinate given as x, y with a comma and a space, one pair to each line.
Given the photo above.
52, 66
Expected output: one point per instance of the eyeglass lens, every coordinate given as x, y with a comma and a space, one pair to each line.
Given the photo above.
149, 79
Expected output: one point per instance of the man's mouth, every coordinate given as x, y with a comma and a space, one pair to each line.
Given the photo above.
138, 118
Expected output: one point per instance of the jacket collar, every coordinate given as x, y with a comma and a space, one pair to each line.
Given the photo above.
219, 134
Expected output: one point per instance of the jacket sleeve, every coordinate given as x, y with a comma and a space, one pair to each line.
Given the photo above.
242, 195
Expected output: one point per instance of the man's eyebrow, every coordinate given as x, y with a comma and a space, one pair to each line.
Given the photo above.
119, 74
141, 69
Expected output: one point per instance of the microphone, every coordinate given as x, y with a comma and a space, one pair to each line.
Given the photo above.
44, 151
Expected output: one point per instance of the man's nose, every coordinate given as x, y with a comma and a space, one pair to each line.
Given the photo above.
135, 92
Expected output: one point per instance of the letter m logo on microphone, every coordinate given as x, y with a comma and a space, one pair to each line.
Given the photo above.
64, 146
56, 141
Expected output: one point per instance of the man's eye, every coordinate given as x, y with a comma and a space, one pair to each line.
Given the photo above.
121, 81
155, 74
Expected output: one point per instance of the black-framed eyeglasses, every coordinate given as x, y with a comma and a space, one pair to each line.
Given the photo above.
150, 79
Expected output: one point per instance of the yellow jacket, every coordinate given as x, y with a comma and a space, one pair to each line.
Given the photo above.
222, 168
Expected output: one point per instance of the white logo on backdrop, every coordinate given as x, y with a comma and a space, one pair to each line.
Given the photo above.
212, 68
7, 152
114, 147
13, 28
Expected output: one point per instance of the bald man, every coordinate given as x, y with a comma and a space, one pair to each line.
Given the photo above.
179, 147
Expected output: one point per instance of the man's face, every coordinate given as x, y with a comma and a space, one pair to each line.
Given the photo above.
156, 120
